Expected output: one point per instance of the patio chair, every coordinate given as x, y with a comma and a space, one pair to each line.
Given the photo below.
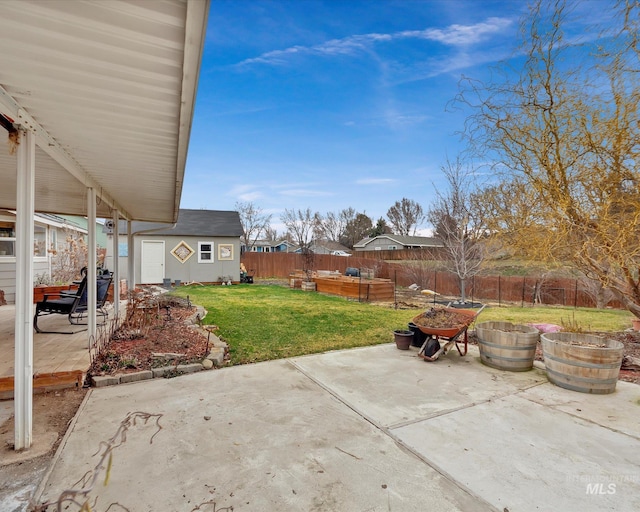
102, 292
74, 304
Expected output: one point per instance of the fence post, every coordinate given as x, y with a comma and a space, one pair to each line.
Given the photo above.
473, 288
395, 285
575, 296
435, 285
499, 292
524, 280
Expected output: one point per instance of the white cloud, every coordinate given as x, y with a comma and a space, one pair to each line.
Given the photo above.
461, 35
425, 232
453, 35
374, 181
246, 193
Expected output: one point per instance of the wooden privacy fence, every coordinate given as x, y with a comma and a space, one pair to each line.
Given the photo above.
508, 289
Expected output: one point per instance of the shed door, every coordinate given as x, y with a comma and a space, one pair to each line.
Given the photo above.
152, 261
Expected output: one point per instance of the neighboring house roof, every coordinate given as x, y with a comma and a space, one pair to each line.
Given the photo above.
329, 246
56, 221
406, 241
192, 223
271, 243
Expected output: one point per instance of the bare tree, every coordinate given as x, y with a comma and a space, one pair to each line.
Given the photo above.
254, 222
405, 216
272, 234
594, 289
356, 228
458, 223
567, 130
331, 226
301, 225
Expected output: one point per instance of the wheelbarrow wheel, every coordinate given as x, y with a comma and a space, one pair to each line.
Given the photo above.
432, 346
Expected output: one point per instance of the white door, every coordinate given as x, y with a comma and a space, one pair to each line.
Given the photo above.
152, 262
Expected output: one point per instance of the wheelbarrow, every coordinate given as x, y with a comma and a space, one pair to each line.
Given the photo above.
449, 334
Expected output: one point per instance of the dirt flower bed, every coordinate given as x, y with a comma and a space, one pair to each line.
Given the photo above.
157, 325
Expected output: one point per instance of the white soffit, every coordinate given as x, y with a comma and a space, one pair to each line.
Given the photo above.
109, 87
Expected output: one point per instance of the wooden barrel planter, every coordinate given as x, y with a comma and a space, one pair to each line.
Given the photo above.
308, 286
507, 346
582, 362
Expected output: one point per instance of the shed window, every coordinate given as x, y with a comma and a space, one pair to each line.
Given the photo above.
205, 252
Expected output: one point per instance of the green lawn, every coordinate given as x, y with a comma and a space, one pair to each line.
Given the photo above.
263, 322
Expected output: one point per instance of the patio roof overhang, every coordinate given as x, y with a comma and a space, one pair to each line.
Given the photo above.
99, 95
108, 88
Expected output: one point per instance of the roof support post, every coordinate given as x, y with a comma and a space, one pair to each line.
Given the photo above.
92, 262
23, 367
116, 264
131, 258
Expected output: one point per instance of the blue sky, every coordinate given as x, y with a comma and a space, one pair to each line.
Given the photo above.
335, 104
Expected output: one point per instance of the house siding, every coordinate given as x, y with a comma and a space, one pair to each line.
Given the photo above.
8, 276
380, 244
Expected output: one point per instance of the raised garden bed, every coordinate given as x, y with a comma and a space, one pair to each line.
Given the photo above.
363, 289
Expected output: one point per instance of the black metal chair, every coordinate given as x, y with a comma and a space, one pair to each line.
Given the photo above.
74, 303
67, 304
102, 293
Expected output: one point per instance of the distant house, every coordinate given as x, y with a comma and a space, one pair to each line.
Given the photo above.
82, 222
51, 233
270, 246
327, 247
396, 242
203, 246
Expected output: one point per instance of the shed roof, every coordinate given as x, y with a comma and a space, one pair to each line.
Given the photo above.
194, 223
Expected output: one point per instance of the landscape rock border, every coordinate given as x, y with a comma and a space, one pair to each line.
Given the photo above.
214, 359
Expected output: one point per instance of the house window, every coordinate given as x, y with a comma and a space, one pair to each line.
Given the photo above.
40, 241
392, 247
267, 249
8, 239
53, 244
205, 252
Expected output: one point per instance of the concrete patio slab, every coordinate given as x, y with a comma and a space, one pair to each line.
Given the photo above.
365, 429
619, 411
393, 391
520, 455
260, 437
